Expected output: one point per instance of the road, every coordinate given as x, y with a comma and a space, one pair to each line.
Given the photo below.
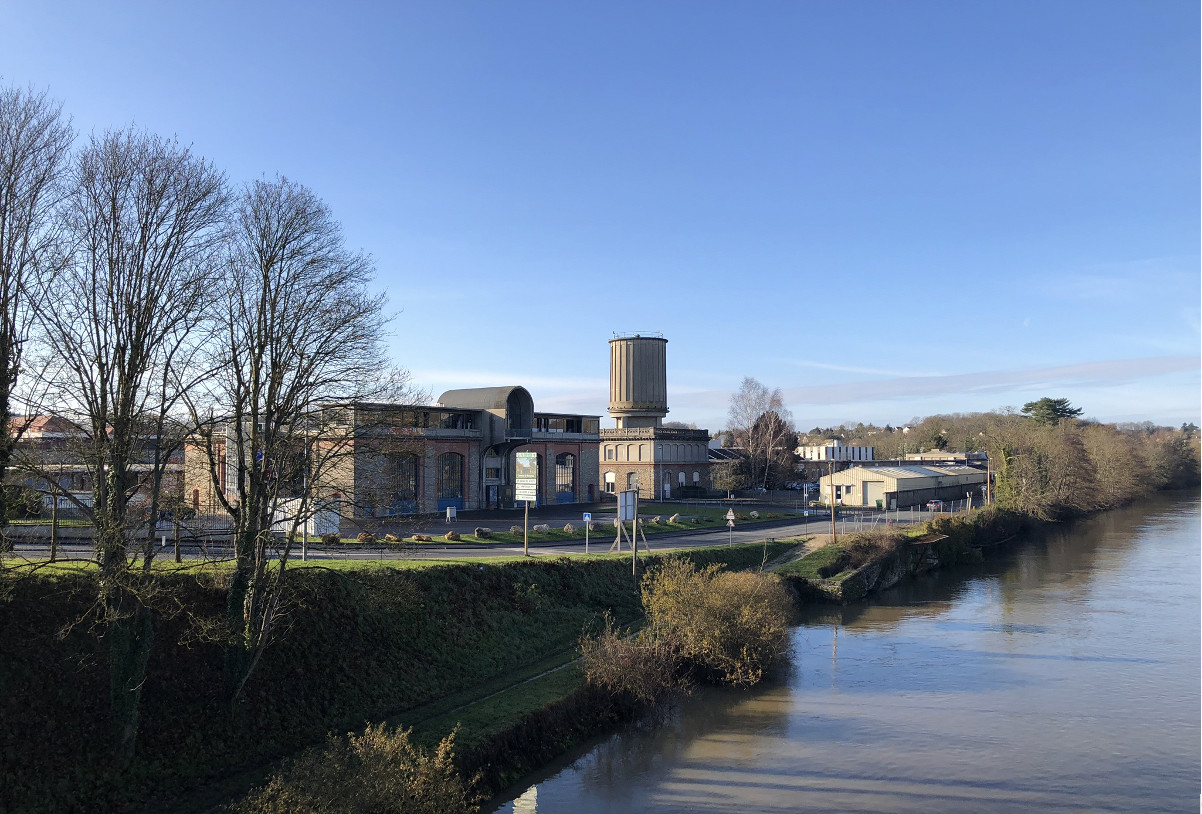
598, 542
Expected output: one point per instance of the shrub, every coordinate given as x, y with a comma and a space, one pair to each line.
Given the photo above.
366, 537
595, 525
541, 528
644, 666
422, 538
452, 537
331, 539
569, 529
872, 545
391, 538
516, 530
726, 626
731, 625
482, 533
379, 771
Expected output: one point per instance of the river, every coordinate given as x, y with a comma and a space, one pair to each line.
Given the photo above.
1060, 675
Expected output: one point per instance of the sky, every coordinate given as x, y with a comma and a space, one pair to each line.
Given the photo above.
887, 210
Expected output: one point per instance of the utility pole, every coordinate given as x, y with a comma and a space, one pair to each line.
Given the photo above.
831, 469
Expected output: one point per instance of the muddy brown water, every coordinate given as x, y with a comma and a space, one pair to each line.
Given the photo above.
1060, 675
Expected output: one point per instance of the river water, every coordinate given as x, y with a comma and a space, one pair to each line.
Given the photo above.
1060, 675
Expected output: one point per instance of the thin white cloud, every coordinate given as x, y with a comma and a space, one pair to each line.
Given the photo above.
869, 371
1108, 373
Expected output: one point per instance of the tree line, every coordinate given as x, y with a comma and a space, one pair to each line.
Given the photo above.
146, 302
1047, 461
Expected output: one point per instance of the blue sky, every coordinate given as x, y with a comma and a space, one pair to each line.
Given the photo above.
886, 209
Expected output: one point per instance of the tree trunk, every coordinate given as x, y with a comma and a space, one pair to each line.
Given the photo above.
130, 632
131, 637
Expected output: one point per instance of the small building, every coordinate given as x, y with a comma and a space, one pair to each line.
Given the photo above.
899, 487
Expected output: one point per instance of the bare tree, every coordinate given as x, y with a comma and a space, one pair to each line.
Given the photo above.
143, 217
763, 426
299, 345
34, 144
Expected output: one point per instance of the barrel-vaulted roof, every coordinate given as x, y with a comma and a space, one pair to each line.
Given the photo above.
481, 398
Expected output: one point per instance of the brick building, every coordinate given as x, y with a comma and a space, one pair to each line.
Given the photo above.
456, 453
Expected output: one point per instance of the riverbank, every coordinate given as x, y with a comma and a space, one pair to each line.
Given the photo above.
873, 561
362, 644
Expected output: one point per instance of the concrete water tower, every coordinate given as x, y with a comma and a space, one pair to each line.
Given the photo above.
639, 452
638, 380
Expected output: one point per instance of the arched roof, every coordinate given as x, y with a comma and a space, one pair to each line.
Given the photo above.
483, 398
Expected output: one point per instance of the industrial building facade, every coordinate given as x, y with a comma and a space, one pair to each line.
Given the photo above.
457, 453
899, 487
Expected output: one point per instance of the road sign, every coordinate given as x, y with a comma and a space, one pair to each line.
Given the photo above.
730, 523
588, 517
626, 505
525, 482
730, 515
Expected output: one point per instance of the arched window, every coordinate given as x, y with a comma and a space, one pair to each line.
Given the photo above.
404, 481
449, 480
632, 480
680, 479
667, 493
611, 482
696, 478
565, 478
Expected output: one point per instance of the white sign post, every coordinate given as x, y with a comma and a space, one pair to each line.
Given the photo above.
730, 533
588, 521
525, 488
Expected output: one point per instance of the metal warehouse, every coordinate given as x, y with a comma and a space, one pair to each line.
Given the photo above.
901, 486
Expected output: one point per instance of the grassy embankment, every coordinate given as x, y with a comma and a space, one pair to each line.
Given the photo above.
420, 643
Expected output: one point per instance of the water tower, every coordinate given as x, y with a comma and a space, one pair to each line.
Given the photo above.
638, 380
639, 452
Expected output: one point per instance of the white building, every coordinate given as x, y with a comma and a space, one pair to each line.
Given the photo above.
835, 451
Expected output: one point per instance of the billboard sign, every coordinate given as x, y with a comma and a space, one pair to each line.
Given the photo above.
525, 481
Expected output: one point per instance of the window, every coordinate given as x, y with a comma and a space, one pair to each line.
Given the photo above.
611, 482
492, 472
680, 479
449, 472
696, 478
632, 480
565, 474
403, 471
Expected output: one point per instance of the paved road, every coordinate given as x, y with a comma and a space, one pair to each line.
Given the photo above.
598, 543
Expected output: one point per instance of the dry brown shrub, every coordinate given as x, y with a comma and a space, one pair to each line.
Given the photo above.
380, 770
733, 625
872, 545
643, 665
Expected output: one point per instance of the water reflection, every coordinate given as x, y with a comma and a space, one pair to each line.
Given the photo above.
1061, 676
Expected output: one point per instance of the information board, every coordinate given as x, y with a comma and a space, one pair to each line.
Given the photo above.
525, 481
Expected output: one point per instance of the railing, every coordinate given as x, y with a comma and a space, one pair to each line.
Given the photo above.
560, 435
656, 433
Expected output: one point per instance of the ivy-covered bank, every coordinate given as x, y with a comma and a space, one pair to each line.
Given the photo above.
361, 645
